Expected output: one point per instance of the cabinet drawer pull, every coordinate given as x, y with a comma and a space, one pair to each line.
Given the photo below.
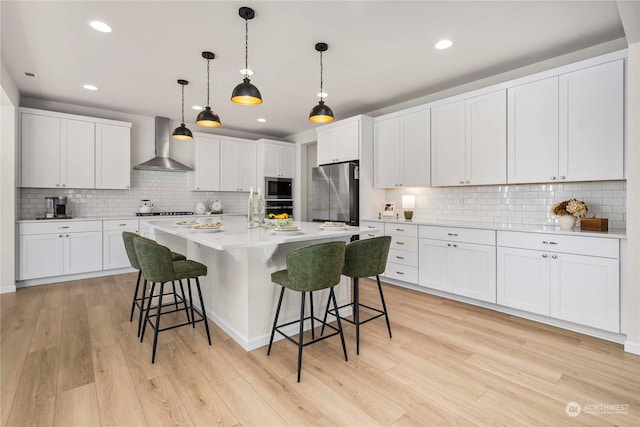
399, 272
399, 257
122, 225
63, 227
399, 229
400, 243
549, 243
371, 235
371, 226
452, 234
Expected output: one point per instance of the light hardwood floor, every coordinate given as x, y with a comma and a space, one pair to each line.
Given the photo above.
70, 357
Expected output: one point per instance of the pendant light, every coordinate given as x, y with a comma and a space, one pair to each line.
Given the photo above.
208, 118
182, 132
321, 113
246, 93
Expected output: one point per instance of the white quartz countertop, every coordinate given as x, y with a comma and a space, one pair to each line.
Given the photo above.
236, 235
549, 229
134, 216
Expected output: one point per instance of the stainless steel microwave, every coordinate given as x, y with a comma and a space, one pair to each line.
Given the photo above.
278, 188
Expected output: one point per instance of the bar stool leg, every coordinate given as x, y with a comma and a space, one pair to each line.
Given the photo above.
300, 344
275, 321
146, 311
142, 300
157, 328
193, 318
184, 302
175, 298
135, 296
356, 311
332, 295
313, 334
204, 311
384, 306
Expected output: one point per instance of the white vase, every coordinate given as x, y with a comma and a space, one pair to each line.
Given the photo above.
566, 222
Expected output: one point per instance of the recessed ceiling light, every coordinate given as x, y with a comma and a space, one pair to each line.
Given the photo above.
90, 87
262, 120
444, 44
323, 95
100, 26
197, 108
246, 72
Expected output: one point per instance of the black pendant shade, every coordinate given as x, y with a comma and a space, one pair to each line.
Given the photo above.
207, 118
182, 132
321, 113
246, 93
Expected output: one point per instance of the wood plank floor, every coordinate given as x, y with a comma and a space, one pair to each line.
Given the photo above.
70, 357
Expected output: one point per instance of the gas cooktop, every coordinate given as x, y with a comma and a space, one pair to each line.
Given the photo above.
163, 213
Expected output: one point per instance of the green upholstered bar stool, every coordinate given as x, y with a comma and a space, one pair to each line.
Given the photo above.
364, 258
309, 269
158, 267
139, 300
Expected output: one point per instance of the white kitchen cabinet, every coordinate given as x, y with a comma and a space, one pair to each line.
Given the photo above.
277, 159
457, 260
402, 150
572, 278
237, 165
206, 163
591, 142
113, 158
468, 141
532, 142
57, 152
339, 142
377, 229
114, 254
402, 262
59, 248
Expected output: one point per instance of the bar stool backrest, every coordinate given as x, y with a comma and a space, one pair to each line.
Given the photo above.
315, 267
128, 238
366, 258
155, 260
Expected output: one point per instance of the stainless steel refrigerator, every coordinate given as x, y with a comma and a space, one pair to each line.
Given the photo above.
334, 193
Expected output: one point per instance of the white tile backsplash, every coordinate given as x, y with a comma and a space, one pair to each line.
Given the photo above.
169, 191
528, 204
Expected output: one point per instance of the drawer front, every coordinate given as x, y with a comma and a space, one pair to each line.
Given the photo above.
374, 226
401, 272
120, 224
579, 245
408, 230
403, 257
59, 226
404, 243
455, 234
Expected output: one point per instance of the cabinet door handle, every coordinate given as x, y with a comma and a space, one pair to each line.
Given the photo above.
467, 182
66, 235
455, 246
554, 256
563, 177
544, 255
461, 182
452, 234
60, 235
449, 244
399, 257
553, 178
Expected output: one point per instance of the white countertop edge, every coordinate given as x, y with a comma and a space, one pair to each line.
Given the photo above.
549, 229
128, 217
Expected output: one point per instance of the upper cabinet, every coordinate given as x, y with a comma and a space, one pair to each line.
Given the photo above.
237, 164
339, 141
569, 127
402, 150
276, 159
468, 141
206, 163
66, 151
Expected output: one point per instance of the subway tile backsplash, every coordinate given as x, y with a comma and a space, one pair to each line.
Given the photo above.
527, 204
169, 191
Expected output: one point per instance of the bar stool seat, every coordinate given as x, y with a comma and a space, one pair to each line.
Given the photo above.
139, 300
364, 258
159, 268
310, 268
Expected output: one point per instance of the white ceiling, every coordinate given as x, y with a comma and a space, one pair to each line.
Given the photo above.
380, 52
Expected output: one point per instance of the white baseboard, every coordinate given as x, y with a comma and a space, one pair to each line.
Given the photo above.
632, 347
70, 277
7, 289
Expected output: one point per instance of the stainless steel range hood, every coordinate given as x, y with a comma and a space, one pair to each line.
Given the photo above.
162, 161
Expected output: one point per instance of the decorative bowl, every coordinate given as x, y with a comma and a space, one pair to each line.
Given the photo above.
274, 222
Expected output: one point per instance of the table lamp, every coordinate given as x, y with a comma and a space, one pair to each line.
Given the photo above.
408, 204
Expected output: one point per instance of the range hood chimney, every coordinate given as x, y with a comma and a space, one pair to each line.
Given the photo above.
162, 161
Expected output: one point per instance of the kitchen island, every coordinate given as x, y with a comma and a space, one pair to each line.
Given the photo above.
238, 293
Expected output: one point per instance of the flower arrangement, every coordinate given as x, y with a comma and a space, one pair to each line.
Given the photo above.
573, 207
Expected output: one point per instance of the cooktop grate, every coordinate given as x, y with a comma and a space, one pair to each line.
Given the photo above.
163, 213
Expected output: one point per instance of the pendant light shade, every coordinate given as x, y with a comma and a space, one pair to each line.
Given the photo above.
208, 118
321, 113
246, 93
182, 132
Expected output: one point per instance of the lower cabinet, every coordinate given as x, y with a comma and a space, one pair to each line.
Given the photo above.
114, 254
458, 267
59, 248
538, 277
402, 263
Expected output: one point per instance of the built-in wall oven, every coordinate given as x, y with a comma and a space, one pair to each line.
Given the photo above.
279, 206
278, 188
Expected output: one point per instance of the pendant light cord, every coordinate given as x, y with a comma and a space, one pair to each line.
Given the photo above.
246, 47
208, 61
182, 105
321, 79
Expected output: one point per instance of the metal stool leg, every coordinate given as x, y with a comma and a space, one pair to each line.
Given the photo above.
146, 311
142, 300
300, 344
193, 318
335, 305
157, 328
175, 297
204, 311
275, 321
356, 311
135, 296
384, 306
184, 302
313, 334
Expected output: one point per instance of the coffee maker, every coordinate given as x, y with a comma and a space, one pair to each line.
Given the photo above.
56, 207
